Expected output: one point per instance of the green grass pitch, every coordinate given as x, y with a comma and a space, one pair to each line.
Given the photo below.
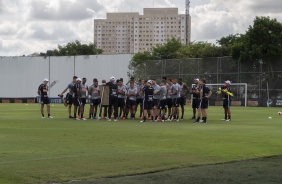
35, 150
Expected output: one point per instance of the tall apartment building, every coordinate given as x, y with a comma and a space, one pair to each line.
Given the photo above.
122, 33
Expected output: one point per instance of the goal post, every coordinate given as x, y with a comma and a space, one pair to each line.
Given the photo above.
240, 90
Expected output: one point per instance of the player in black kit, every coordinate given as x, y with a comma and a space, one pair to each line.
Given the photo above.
113, 98
148, 103
77, 99
195, 91
43, 93
205, 94
225, 91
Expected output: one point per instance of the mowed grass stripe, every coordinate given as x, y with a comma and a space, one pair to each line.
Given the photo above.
35, 150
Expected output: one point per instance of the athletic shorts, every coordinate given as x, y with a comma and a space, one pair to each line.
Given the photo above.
169, 103
83, 101
148, 105
156, 102
139, 101
226, 103
175, 102
45, 100
162, 104
69, 99
95, 102
196, 103
121, 102
130, 103
204, 103
182, 101
77, 102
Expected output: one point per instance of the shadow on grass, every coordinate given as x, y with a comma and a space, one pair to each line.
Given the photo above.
265, 170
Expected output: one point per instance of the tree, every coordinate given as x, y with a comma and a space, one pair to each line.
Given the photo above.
73, 49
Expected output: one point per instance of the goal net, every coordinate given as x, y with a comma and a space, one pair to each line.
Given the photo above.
239, 91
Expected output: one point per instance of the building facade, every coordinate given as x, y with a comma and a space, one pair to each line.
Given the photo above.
123, 33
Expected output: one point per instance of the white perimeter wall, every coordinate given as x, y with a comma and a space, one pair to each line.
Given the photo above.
21, 76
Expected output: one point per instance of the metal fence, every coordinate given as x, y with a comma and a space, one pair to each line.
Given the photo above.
264, 79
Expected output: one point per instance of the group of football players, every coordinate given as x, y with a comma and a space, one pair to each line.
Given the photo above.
156, 101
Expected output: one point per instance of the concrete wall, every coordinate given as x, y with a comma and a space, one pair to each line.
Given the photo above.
21, 76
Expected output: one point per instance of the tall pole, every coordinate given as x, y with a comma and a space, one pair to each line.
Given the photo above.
49, 75
187, 13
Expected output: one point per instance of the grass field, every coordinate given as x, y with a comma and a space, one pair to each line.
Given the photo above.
35, 150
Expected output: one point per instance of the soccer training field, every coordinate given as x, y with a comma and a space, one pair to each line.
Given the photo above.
35, 150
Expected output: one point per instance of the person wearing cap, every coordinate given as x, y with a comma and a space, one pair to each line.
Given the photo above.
69, 96
195, 91
113, 98
77, 100
94, 91
148, 104
205, 94
226, 100
43, 93
183, 94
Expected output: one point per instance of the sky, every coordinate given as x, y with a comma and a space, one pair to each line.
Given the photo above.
29, 26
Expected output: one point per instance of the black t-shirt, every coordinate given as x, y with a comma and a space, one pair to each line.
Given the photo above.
206, 90
148, 92
74, 89
113, 89
43, 90
195, 88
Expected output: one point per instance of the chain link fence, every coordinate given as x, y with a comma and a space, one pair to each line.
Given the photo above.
264, 79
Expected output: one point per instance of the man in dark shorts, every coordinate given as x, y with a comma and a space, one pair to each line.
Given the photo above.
69, 96
83, 93
162, 100
183, 95
43, 93
226, 100
175, 100
148, 104
131, 99
139, 100
121, 99
169, 100
77, 100
195, 91
94, 91
113, 98
156, 98
105, 107
205, 94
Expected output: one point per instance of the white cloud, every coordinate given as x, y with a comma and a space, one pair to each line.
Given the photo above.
29, 26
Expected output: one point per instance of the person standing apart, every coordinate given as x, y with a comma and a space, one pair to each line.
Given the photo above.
225, 91
43, 93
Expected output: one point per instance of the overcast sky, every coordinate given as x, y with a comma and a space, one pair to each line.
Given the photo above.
28, 26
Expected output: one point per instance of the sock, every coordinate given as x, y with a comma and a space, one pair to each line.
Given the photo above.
42, 115
74, 115
144, 118
205, 119
229, 117
225, 117
48, 115
198, 119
